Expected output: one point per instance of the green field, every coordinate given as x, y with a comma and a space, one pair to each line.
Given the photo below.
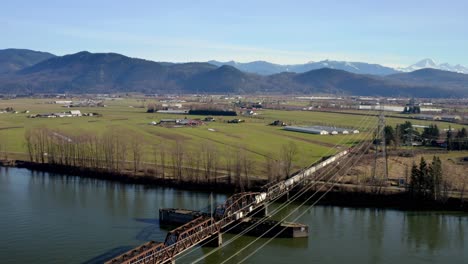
254, 137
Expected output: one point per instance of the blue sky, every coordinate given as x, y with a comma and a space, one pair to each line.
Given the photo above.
394, 33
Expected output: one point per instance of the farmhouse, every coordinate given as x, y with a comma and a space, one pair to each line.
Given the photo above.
190, 122
169, 121
178, 122
73, 113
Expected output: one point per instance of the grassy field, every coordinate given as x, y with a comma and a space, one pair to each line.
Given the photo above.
453, 166
254, 136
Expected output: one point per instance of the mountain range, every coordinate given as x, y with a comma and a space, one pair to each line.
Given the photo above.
86, 72
267, 68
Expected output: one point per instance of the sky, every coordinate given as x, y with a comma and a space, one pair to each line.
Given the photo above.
392, 33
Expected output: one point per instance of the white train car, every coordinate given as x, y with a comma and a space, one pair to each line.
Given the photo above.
283, 186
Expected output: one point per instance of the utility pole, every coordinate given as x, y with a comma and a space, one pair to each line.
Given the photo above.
380, 142
211, 205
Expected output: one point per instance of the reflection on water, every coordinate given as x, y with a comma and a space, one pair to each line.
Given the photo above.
433, 231
49, 218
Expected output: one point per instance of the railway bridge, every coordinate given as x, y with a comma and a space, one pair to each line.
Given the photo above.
205, 228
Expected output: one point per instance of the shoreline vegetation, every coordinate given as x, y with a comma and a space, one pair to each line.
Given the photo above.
343, 195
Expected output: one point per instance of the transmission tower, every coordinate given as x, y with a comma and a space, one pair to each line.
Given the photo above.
380, 146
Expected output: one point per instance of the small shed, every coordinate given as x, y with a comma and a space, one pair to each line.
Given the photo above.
75, 112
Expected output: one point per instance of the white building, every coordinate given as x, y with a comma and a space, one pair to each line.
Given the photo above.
309, 130
75, 112
321, 130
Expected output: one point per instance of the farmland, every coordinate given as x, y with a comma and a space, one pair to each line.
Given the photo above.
129, 119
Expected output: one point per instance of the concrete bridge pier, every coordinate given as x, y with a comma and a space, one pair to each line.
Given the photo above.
215, 240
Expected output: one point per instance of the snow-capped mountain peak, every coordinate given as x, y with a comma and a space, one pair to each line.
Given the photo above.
426, 63
430, 63
266, 68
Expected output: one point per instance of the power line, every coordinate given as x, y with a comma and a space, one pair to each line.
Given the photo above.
362, 121
278, 209
272, 201
264, 244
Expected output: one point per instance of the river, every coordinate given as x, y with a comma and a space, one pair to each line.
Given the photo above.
49, 218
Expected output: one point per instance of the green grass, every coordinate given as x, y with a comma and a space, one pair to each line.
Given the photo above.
254, 136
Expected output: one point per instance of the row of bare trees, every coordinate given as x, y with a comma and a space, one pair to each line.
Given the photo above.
108, 151
125, 151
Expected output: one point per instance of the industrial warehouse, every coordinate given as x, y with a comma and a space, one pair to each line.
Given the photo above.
322, 130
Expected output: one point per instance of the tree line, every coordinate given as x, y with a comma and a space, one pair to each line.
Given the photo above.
406, 134
457, 140
120, 151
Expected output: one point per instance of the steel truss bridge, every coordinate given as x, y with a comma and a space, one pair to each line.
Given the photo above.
205, 228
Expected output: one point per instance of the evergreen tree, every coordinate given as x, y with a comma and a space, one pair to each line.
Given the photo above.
423, 181
462, 133
449, 139
436, 174
426, 180
431, 133
389, 135
414, 184
406, 132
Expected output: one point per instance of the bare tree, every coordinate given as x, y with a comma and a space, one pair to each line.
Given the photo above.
108, 151
137, 150
288, 154
228, 159
207, 159
463, 187
210, 160
30, 144
198, 162
155, 150
216, 164
271, 167
3, 151
162, 154
237, 168
178, 159
247, 167
120, 140
190, 162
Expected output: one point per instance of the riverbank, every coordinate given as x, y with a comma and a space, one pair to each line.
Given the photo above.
347, 196
127, 177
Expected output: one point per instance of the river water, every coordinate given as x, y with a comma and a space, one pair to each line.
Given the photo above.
48, 218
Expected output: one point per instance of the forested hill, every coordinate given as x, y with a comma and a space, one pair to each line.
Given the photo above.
86, 72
